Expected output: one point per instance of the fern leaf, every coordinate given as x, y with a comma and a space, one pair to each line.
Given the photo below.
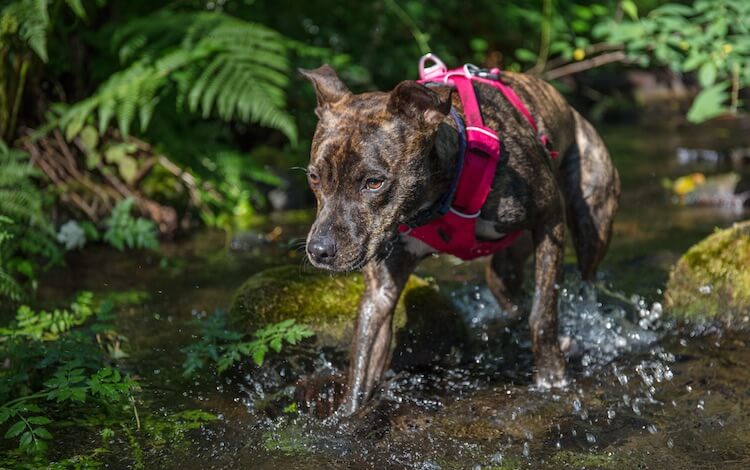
33, 20
77, 7
216, 64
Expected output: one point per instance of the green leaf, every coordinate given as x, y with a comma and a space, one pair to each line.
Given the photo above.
128, 169
15, 430
25, 440
72, 129
77, 7
259, 354
707, 74
89, 137
525, 55
115, 153
709, 103
630, 8
42, 433
38, 420
694, 60
673, 9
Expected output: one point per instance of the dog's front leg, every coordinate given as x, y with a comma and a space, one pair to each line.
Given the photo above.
370, 350
549, 239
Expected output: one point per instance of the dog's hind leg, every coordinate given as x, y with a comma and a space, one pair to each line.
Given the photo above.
591, 186
504, 275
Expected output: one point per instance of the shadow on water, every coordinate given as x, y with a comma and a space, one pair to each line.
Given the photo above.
641, 396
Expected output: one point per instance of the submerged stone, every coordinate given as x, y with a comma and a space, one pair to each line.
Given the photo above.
712, 279
425, 323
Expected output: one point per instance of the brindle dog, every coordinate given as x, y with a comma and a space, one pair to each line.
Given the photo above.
377, 159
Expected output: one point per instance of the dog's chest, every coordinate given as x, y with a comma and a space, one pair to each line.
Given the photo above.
484, 230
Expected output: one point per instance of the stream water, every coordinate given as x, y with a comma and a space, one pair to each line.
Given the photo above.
641, 396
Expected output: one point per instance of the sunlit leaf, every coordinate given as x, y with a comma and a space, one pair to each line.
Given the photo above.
709, 103
707, 74
630, 8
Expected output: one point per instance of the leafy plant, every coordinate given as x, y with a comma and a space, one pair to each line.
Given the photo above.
225, 347
124, 230
710, 38
26, 237
53, 360
209, 62
42, 325
24, 31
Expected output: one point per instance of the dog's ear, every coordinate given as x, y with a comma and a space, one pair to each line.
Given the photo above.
328, 86
416, 101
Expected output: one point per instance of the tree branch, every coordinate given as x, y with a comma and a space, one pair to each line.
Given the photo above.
576, 67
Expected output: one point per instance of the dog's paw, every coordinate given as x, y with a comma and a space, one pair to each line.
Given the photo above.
550, 379
321, 395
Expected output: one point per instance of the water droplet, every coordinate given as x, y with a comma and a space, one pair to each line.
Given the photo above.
611, 413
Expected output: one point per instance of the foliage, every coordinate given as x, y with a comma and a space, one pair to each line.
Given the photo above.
210, 62
124, 230
225, 347
708, 37
55, 366
26, 238
24, 31
47, 326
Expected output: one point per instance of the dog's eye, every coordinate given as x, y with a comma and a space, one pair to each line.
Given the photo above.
314, 178
373, 184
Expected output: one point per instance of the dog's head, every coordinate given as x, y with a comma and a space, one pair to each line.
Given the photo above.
370, 166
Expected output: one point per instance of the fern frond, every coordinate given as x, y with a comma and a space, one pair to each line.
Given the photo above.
217, 64
32, 18
25, 235
20, 200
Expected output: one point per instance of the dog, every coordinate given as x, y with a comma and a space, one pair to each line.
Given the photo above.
379, 158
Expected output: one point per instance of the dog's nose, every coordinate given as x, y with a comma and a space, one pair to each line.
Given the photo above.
322, 249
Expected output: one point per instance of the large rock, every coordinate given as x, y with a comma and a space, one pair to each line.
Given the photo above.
426, 325
712, 280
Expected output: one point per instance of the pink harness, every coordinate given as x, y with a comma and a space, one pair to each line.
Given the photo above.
455, 231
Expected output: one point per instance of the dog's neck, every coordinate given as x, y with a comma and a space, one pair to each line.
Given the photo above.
443, 161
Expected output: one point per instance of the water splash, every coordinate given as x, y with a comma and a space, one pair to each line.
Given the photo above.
596, 331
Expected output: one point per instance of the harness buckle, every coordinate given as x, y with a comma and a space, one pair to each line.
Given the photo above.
436, 70
471, 70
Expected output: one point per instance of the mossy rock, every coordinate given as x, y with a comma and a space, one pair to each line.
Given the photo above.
711, 282
425, 323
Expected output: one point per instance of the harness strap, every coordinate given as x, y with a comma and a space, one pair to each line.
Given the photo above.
517, 103
483, 154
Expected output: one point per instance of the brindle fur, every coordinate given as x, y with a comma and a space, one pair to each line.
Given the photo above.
406, 138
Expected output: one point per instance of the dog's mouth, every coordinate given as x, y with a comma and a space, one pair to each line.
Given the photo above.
342, 267
379, 252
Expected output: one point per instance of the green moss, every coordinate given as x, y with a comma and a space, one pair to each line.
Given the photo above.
586, 460
712, 280
324, 302
425, 323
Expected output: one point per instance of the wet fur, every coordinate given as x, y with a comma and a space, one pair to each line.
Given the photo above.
406, 137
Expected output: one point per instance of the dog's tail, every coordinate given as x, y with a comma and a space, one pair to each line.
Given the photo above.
591, 186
